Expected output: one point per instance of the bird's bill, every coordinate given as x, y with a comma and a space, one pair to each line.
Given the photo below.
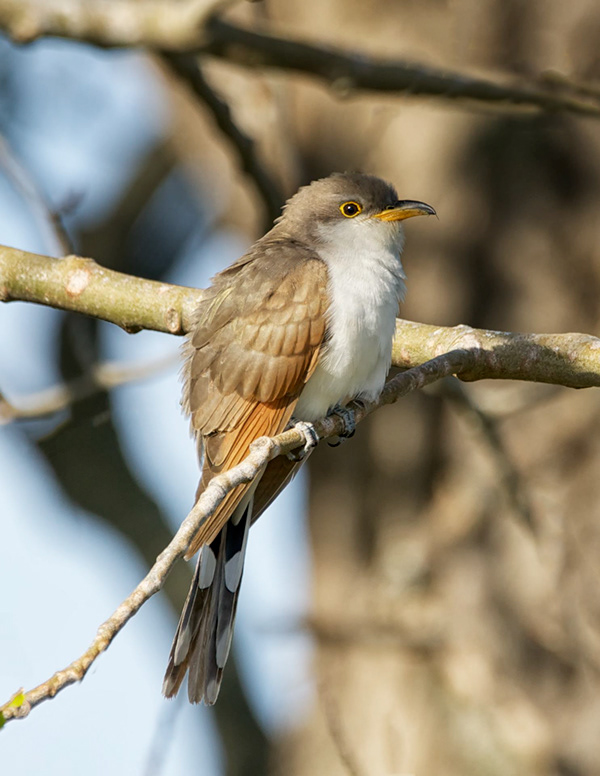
406, 208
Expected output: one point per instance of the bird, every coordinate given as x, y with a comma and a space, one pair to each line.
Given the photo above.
297, 327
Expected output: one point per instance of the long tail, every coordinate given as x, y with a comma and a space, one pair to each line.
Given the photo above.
203, 637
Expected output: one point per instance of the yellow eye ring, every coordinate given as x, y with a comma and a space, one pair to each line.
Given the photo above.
350, 209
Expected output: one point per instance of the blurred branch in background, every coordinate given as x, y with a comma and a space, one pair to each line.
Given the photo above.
348, 73
347, 749
109, 240
50, 221
194, 26
487, 427
101, 377
187, 68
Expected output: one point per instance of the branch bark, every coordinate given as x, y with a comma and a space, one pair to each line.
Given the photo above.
151, 23
81, 285
569, 359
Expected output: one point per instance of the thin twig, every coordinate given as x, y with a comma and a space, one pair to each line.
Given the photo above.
333, 715
50, 221
514, 400
509, 477
186, 67
261, 452
102, 377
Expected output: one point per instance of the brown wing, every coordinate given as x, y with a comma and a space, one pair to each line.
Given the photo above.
255, 344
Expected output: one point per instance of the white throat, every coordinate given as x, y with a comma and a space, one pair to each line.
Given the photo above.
366, 284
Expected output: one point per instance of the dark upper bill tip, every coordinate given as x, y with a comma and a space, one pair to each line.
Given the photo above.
405, 208
413, 204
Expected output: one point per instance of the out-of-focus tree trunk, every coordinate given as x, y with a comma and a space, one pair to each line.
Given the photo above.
449, 638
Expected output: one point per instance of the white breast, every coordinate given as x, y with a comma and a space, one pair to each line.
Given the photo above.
366, 283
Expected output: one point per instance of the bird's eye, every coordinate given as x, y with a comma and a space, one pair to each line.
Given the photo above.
350, 209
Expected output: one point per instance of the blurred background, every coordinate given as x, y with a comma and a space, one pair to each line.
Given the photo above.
426, 598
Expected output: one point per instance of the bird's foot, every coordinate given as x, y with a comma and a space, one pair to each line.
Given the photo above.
311, 440
349, 422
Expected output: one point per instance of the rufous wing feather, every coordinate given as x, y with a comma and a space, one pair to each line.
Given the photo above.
255, 344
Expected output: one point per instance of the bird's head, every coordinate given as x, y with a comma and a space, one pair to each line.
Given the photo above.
351, 208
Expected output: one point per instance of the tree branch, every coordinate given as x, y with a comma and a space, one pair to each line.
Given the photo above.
509, 477
261, 452
81, 285
187, 68
348, 72
193, 26
571, 360
151, 23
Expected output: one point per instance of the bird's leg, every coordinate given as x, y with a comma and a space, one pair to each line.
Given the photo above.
347, 417
311, 440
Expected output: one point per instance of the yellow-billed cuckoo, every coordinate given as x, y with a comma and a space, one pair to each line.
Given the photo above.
303, 322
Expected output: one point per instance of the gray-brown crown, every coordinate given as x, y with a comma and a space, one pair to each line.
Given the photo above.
322, 199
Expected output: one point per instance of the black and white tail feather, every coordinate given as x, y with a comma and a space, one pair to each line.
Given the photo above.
203, 637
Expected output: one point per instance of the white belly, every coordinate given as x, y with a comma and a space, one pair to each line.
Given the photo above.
362, 319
